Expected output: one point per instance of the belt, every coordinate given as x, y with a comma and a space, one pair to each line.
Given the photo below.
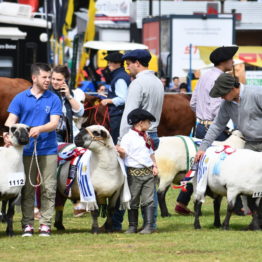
140, 171
205, 122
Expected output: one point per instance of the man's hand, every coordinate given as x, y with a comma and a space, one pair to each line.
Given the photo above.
105, 102
34, 132
199, 155
7, 140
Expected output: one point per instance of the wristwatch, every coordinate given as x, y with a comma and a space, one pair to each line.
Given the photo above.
69, 97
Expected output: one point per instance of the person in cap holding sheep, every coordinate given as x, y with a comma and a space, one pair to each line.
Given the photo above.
243, 104
136, 148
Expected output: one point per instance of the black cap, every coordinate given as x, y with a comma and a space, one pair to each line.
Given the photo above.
222, 54
141, 55
114, 57
138, 115
223, 85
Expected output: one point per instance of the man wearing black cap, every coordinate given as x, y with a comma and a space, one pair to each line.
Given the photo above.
117, 92
206, 107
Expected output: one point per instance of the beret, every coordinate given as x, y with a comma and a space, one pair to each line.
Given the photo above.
141, 55
138, 115
222, 54
223, 85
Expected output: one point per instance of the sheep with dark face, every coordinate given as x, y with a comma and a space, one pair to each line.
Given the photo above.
12, 176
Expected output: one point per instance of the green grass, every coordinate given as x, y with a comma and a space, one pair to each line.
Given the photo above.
176, 240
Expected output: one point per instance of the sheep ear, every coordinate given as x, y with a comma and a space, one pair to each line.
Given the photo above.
103, 134
4, 128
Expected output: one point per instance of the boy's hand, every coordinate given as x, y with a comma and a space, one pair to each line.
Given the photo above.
121, 151
155, 171
7, 141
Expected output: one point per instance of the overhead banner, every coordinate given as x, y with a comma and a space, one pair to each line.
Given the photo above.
249, 54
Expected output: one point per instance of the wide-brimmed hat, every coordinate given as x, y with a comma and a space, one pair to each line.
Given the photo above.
223, 85
222, 54
138, 115
114, 57
138, 54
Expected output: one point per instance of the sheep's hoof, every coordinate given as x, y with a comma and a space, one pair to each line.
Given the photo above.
217, 225
252, 227
166, 215
9, 233
95, 230
59, 226
225, 227
197, 226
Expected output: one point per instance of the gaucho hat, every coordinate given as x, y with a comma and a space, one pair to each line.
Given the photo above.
138, 54
223, 85
138, 115
222, 54
114, 57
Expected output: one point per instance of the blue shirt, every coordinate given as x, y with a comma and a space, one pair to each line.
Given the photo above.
36, 112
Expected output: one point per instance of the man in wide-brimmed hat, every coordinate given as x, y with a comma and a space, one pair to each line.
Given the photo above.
206, 107
117, 92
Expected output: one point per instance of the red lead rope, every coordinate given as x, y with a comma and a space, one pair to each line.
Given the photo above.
105, 117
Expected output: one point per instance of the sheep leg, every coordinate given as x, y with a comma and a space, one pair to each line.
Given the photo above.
9, 217
230, 209
217, 204
254, 225
197, 209
114, 206
162, 203
59, 210
95, 228
3, 211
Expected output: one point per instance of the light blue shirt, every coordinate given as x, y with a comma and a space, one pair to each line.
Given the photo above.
121, 92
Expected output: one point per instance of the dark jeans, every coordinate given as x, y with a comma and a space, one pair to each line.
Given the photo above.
184, 197
118, 216
114, 127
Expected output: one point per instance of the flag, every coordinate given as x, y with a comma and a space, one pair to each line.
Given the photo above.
89, 36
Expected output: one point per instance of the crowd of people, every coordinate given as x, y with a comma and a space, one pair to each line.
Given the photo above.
135, 108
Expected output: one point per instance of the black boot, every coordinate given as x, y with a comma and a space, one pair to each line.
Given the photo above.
133, 221
149, 219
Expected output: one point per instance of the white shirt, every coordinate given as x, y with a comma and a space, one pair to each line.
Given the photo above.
137, 154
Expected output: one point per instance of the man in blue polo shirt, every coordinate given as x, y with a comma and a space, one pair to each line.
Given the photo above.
40, 109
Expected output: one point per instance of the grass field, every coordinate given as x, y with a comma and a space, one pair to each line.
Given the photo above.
176, 240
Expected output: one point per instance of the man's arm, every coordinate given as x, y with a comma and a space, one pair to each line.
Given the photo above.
133, 101
48, 127
11, 119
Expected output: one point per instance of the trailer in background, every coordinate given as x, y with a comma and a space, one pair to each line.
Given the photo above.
174, 39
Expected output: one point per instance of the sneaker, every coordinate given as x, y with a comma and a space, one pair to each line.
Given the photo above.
79, 212
183, 211
44, 231
28, 231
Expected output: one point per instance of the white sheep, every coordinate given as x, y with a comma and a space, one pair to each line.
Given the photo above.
174, 157
230, 174
12, 176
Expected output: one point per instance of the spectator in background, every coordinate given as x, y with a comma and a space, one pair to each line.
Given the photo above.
101, 91
175, 84
164, 82
117, 92
183, 88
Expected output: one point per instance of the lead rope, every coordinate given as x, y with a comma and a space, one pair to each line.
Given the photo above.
34, 155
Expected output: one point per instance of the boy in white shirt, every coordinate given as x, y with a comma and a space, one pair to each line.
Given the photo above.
136, 148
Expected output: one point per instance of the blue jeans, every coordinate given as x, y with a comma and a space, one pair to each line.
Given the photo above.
118, 216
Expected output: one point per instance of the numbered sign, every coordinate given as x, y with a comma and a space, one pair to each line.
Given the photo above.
16, 179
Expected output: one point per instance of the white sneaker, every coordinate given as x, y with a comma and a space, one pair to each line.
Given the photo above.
28, 231
44, 231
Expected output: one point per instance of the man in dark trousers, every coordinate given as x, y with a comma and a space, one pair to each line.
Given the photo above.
117, 92
206, 108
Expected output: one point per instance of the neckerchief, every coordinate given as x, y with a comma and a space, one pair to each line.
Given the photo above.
148, 140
